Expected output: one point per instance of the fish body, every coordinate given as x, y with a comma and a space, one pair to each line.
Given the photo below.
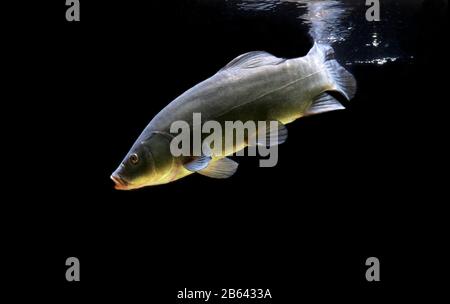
255, 86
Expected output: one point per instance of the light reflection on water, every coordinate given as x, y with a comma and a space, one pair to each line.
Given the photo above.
263, 5
327, 20
342, 23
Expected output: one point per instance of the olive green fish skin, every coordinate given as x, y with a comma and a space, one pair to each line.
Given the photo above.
270, 89
276, 92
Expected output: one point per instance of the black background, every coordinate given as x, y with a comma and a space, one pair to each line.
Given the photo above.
349, 185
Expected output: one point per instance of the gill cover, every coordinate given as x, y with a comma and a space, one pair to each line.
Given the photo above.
158, 147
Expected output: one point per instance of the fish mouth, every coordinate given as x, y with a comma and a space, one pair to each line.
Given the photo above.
120, 183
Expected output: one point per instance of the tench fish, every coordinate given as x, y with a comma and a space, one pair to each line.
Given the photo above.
255, 86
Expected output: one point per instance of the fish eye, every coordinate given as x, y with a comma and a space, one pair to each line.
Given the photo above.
134, 159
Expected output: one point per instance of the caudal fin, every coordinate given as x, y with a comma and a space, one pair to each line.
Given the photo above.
342, 81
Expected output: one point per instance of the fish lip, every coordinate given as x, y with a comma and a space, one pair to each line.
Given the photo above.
120, 183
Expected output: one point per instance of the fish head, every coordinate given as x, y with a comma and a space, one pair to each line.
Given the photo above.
149, 162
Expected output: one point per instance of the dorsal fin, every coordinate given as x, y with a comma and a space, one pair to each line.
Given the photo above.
253, 60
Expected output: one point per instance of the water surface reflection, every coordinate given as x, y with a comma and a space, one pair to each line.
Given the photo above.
342, 23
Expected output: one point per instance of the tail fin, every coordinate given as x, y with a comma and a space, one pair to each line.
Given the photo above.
342, 80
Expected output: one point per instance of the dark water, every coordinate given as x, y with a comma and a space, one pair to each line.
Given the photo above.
343, 24
350, 184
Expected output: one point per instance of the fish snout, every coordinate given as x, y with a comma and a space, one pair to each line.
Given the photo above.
120, 183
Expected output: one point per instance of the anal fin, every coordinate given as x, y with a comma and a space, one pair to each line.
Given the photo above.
324, 103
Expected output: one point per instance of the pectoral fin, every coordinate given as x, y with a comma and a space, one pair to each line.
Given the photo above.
324, 103
198, 163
